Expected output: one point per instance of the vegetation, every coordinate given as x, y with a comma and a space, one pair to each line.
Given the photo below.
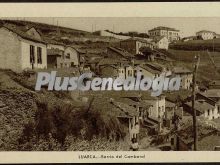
131, 34
196, 45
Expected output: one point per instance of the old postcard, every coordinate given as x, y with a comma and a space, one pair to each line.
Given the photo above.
135, 82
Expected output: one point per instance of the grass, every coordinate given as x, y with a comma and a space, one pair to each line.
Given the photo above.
206, 70
198, 45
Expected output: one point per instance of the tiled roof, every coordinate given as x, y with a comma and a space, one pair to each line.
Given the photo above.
121, 52
157, 38
115, 108
150, 69
200, 106
179, 70
212, 93
109, 61
164, 28
215, 82
94, 61
23, 34
137, 39
205, 31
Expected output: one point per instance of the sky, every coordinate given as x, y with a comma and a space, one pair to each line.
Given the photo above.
188, 26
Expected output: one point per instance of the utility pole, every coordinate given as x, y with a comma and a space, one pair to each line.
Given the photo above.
195, 131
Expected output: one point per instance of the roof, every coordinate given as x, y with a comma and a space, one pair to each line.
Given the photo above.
170, 104
121, 52
109, 61
180, 70
212, 93
54, 52
127, 101
163, 28
158, 38
189, 37
150, 68
200, 105
94, 61
113, 107
136, 39
126, 109
122, 93
22, 34
205, 31
215, 82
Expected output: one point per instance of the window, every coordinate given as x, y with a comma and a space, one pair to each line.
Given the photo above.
208, 112
32, 58
68, 55
172, 141
39, 55
159, 111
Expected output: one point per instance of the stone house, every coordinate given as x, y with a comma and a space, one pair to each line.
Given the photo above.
213, 94
160, 42
158, 105
205, 35
171, 33
118, 53
21, 50
133, 45
185, 75
203, 108
60, 56
151, 70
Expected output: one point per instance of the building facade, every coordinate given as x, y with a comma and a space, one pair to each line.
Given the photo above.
20, 50
158, 106
185, 75
62, 57
171, 33
161, 42
133, 45
205, 35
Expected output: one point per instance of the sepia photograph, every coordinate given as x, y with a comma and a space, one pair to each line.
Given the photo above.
98, 83
75, 120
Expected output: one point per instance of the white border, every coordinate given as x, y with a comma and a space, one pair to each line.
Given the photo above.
171, 9
134, 9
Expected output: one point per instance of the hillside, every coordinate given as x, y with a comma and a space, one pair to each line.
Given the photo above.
206, 70
44, 120
58, 33
195, 45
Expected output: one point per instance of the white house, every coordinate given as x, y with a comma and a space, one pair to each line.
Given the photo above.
205, 35
158, 105
60, 56
185, 75
171, 33
71, 57
21, 50
203, 108
146, 71
152, 71
133, 45
160, 42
